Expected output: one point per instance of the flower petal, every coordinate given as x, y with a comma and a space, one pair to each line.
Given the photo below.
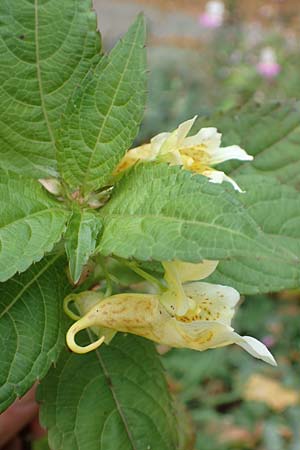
208, 137
214, 302
169, 150
158, 141
184, 129
194, 272
142, 153
201, 335
216, 176
174, 299
255, 348
204, 335
219, 155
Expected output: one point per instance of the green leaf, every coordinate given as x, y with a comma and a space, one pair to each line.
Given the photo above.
103, 116
114, 398
32, 326
80, 240
271, 133
162, 213
30, 223
276, 209
45, 49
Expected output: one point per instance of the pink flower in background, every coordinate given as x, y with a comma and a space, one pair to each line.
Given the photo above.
268, 66
213, 15
269, 341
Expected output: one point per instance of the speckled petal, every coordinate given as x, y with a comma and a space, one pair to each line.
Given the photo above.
214, 302
174, 299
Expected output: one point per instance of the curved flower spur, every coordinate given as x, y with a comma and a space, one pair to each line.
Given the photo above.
199, 316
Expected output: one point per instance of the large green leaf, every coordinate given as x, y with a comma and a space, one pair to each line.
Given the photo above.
30, 223
104, 114
276, 208
32, 326
160, 212
114, 398
45, 49
271, 133
164, 212
80, 240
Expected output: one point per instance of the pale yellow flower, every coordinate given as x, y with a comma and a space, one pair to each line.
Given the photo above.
177, 273
205, 324
84, 303
198, 153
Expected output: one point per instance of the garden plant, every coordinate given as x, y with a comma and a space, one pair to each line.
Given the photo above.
108, 248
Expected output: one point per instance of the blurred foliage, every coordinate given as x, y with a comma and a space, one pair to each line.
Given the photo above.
219, 72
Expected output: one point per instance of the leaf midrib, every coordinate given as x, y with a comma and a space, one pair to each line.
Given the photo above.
114, 395
27, 285
39, 74
76, 253
207, 225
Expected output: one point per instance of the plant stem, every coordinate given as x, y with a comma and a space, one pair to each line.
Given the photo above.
135, 268
108, 291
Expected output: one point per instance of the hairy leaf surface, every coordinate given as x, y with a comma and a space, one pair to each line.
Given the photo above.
32, 326
276, 208
164, 212
114, 398
30, 223
104, 114
45, 49
80, 240
161, 213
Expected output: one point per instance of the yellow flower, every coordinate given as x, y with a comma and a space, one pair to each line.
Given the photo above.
198, 153
84, 303
177, 273
206, 322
